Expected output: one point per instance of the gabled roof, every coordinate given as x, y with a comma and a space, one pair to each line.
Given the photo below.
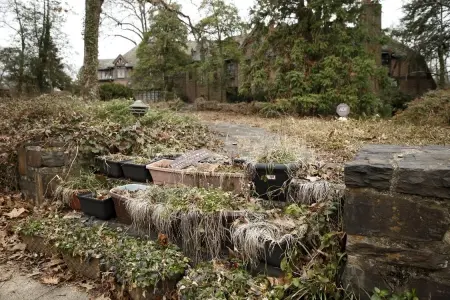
192, 49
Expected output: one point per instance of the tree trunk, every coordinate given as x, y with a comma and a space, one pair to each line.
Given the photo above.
442, 67
90, 65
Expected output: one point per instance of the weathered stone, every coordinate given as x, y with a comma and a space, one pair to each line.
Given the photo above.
55, 158
421, 171
376, 174
48, 179
38, 157
40, 183
371, 213
364, 274
27, 187
22, 161
34, 156
424, 255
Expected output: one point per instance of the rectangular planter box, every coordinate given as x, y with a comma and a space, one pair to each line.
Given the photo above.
229, 182
38, 244
102, 209
163, 175
271, 181
110, 168
119, 201
274, 256
87, 268
134, 172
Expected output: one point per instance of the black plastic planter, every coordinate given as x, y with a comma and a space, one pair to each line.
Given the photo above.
111, 168
102, 209
134, 172
274, 254
271, 180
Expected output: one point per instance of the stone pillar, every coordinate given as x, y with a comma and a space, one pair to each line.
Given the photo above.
397, 217
38, 166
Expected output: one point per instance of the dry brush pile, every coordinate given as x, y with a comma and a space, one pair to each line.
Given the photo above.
90, 129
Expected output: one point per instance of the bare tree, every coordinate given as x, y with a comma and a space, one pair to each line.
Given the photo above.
130, 18
13, 18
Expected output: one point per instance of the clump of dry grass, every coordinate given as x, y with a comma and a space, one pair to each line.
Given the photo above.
253, 234
307, 192
196, 217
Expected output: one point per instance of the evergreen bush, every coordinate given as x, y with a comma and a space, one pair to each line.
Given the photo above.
109, 91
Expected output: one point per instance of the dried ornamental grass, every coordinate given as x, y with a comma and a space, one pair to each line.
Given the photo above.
196, 217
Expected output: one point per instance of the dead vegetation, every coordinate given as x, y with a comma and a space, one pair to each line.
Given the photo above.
338, 141
91, 129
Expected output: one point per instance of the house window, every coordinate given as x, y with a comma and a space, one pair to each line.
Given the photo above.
231, 69
120, 73
150, 96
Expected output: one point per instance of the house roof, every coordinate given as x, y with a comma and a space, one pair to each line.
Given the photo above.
193, 48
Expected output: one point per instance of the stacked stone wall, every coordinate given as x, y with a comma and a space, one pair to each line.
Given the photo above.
397, 219
39, 167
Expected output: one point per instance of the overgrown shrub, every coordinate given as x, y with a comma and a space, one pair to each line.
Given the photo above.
91, 129
431, 109
109, 91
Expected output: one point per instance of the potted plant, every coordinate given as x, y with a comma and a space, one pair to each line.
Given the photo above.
111, 165
97, 204
68, 189
135, 169
120, 196
208, 173
272, 172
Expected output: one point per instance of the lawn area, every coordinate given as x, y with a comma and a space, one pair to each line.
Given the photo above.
337, 141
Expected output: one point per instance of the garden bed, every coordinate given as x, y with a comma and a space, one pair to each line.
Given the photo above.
202, 175
111, 165
120, 196
196, 218
86, 248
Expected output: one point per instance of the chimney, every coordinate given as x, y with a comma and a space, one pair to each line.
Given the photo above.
371, 17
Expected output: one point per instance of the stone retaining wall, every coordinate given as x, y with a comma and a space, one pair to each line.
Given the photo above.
38, 166
397, 217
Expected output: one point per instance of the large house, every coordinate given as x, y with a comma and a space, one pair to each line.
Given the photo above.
407, 68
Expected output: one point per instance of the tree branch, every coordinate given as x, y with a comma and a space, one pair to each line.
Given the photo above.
127, 38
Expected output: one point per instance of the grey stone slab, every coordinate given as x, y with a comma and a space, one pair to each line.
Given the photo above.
363, 274
371, 213
412, 170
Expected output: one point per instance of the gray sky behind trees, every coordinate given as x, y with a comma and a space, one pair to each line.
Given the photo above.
110, 47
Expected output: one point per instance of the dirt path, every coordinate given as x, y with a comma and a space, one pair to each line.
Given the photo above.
242, 140
19, 286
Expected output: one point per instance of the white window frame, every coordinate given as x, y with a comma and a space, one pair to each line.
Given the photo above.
121, 73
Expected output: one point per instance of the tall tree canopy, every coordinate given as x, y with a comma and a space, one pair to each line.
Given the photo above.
32, 63
162, 54
312, 52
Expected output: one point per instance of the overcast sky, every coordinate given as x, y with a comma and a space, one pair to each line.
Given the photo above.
110, 47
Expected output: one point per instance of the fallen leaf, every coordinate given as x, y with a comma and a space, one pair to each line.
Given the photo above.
87, 286
102, 297
19, 246
50, 280
53, 262
15, 213
6, 276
